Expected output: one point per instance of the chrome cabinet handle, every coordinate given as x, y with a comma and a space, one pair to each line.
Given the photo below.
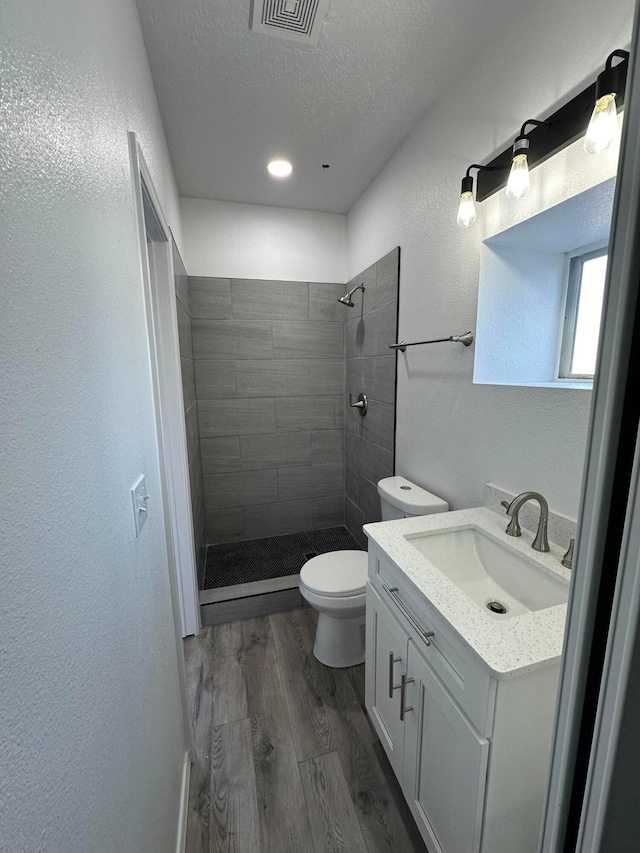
424, 635
392, 659
403, 686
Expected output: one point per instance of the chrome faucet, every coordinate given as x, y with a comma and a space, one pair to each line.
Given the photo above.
541, 542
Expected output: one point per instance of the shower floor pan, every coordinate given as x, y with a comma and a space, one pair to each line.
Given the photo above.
255, 560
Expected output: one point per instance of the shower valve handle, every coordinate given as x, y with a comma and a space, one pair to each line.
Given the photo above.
362, 403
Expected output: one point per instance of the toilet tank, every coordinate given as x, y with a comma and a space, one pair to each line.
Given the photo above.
400, 498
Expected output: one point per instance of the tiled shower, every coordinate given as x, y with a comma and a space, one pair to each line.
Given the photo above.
370, 368
269, 366
274, 363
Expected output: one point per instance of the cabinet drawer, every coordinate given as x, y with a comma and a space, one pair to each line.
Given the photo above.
454, 663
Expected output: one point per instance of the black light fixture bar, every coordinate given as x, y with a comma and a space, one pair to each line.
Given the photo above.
562, 128
467, 181
525, 134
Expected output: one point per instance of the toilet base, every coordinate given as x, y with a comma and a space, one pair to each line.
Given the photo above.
339, 642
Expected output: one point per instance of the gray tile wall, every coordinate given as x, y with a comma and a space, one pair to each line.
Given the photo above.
371, 369
190, 409
269, 382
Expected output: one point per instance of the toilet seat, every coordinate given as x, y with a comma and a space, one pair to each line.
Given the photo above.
337, 574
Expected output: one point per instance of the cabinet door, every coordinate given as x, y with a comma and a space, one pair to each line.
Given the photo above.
445, 763
386, 660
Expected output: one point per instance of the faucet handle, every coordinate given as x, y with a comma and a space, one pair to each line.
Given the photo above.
505, 504
567, 560
362, 403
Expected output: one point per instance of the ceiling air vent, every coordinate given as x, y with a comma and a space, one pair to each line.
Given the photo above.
293, 20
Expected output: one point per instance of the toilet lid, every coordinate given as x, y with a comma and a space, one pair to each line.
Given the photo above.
337, 573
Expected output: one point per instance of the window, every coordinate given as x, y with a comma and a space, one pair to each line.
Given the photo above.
583, 312
522, 293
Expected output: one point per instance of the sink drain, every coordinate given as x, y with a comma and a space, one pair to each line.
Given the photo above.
496, 607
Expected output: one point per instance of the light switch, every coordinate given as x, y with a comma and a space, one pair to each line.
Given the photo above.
140, 500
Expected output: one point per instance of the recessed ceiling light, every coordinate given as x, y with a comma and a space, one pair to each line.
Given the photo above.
280, 168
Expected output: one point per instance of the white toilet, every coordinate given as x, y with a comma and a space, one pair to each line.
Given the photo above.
334, 583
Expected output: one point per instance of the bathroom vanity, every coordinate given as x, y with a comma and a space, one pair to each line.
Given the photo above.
462, 697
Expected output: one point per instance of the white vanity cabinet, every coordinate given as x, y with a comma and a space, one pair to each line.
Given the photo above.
445, 762
471, 750
388, 664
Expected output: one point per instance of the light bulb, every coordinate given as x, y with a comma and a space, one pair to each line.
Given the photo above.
519, 181
603, 127
467, 210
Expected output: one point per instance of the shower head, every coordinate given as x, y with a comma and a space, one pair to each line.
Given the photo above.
347, 300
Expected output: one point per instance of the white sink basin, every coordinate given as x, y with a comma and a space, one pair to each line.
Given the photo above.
487, 570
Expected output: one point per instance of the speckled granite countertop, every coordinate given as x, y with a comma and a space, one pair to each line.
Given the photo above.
507, 647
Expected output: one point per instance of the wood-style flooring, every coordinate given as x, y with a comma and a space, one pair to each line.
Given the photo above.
286, 761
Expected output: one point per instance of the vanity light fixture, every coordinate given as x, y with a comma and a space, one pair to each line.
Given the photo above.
519, 180
603, 127
279, 168
560, 129
467, 208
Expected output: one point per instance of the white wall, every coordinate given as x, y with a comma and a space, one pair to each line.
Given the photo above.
520, 302
230, 240
523, 269
456, 436
92, 741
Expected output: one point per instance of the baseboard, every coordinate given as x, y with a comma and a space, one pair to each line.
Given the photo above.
184, 804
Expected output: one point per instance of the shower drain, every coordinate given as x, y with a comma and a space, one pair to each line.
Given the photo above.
496, 607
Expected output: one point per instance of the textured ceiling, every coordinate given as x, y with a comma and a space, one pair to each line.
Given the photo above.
231, 99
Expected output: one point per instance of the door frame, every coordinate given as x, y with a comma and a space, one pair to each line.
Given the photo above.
604, 599
157, 271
